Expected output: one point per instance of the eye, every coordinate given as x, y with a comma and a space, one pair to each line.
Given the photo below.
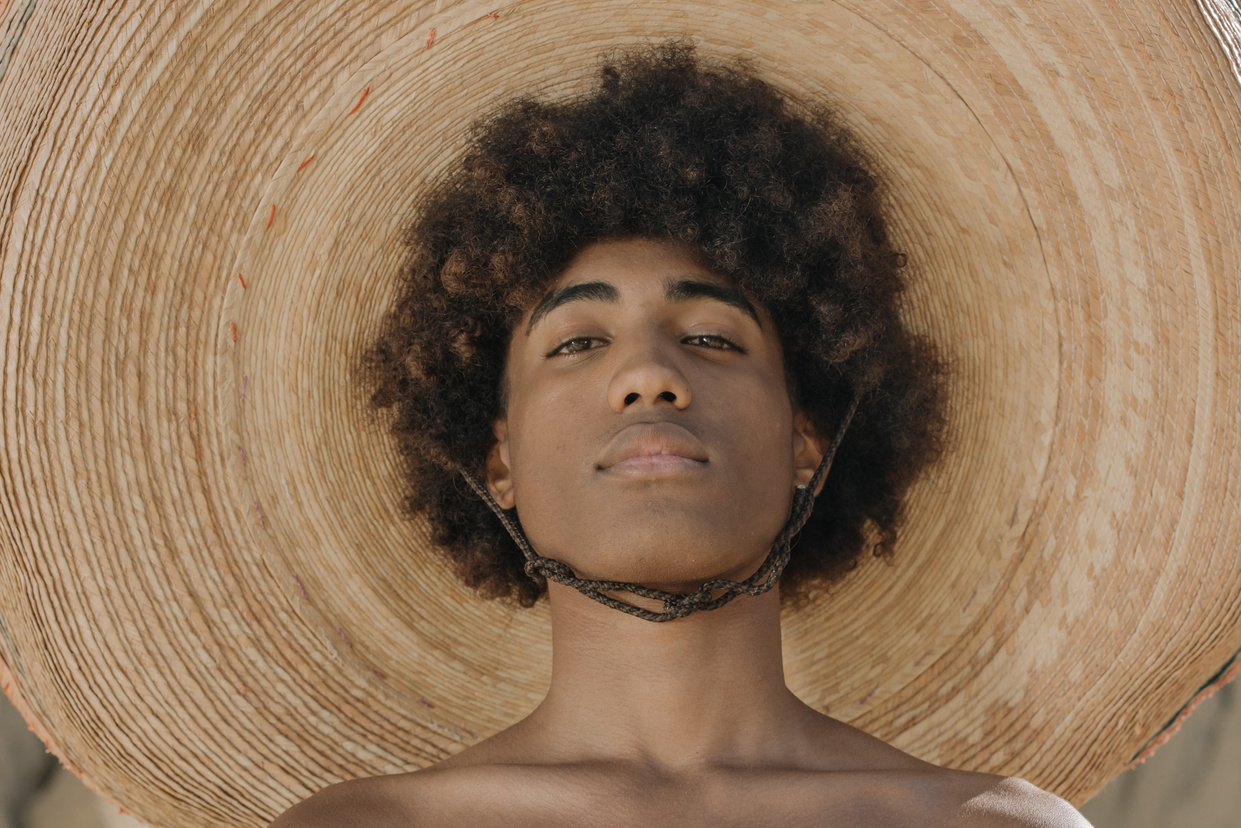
575, 346
714, 342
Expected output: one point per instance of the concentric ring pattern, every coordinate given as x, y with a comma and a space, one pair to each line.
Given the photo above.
209, 606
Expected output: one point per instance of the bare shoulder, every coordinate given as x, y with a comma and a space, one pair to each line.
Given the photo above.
446, 794
910, 791
374, 803
989, 801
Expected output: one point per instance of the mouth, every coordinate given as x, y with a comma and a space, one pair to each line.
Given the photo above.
654, 450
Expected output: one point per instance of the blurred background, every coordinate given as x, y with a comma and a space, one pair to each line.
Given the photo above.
1193, 781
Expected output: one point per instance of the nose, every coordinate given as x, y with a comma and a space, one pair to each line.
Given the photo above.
648, 375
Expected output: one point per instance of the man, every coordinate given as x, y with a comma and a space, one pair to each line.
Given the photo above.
653, 327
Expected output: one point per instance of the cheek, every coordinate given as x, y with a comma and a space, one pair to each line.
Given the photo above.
766, 465
548, 461
760, 418
543, 427
552, 501
765, 491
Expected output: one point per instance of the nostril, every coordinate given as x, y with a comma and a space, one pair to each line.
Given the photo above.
631, 397
669, 396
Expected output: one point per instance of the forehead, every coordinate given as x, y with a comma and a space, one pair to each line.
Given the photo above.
645, 269
636, 260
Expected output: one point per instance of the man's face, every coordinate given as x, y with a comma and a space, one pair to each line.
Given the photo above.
649, 435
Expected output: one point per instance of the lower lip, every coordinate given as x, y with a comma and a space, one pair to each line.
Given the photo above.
656, 465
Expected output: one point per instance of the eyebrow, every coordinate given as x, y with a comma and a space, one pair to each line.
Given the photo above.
679, 290
684, 290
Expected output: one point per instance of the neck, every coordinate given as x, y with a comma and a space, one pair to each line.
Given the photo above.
702, 691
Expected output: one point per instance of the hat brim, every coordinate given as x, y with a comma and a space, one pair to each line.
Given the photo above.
209, 605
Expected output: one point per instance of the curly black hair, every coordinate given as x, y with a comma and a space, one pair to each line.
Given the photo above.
779, 197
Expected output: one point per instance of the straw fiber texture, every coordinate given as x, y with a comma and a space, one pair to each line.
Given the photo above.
209, 606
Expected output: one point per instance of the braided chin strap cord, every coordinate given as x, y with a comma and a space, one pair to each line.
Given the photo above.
676, 605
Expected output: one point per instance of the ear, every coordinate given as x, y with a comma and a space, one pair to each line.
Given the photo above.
500, 468
806, 452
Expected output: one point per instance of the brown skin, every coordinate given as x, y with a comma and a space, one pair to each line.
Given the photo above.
687, 722
596, 379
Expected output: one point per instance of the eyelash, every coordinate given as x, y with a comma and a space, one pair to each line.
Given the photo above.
728, 344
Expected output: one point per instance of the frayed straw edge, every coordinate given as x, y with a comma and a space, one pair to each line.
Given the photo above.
1168, 732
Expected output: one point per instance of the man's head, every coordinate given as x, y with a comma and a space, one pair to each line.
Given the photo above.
648, 434
676, 195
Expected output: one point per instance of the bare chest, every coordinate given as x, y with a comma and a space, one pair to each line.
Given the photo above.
548, 798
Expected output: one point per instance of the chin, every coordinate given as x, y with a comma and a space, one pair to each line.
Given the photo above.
669, 561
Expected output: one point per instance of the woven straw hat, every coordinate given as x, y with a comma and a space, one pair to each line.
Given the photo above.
209, 605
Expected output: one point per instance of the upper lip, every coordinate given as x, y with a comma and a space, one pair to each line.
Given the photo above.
642, 439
